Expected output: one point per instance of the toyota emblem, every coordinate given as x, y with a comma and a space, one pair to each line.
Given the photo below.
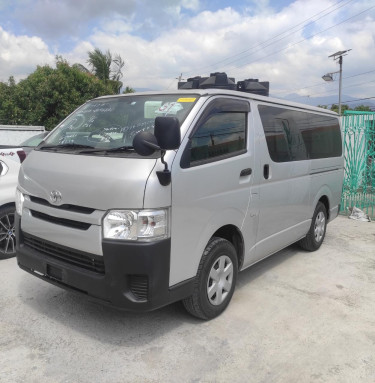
55, 197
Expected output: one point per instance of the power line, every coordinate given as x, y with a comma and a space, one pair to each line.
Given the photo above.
358, 99
307, 38
321, 83
282, 38
329, 94
274, 37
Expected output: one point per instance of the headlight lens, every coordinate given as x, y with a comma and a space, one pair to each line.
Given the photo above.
3, 168
143, 225
19, 202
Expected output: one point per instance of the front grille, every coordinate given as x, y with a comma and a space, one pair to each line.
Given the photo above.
60, 221
138, 285
75, 208
61, 253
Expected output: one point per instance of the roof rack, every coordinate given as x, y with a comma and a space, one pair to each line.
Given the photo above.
220, 80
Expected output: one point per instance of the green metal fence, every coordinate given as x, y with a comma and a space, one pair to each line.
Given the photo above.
359, 149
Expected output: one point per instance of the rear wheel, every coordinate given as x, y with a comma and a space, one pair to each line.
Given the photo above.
7, 233
215, 280
317, 231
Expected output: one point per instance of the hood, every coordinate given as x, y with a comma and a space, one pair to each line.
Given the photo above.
97, 182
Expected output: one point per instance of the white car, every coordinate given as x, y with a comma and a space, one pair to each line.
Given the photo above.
10, 162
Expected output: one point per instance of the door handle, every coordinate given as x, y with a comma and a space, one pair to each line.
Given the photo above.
266, 171
246, 172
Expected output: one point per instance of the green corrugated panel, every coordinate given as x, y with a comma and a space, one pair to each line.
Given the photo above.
352, 112
359, 151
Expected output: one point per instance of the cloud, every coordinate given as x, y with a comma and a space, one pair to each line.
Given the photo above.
53, 19
19, 55
273, 46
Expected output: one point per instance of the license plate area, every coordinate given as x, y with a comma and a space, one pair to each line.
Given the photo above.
54, 272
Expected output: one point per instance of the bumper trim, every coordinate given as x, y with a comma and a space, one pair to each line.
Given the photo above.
124, 262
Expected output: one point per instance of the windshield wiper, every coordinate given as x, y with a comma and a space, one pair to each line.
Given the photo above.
112, 150
65, 146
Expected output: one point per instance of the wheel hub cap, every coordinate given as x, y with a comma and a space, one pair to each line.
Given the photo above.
7, 234
220, 280
319, 227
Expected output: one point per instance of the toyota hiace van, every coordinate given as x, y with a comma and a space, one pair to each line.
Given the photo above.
141, 200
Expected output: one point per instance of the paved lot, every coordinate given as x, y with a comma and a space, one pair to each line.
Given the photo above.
295, 317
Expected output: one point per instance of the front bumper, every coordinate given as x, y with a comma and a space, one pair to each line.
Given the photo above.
131, 276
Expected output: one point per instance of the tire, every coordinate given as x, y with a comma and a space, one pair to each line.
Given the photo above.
7, 232
215, 281
317, 231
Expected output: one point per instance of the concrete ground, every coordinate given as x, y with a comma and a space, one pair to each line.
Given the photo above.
295, 317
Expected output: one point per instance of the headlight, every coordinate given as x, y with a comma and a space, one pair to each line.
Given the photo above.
143, 225
19, 202
3, 168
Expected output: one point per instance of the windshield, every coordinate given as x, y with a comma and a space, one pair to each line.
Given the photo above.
34, 140
112, 123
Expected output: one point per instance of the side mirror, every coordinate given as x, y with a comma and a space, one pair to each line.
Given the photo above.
166, 136
167, 132
145, 143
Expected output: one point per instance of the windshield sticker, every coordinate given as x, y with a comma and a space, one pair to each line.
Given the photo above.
169, 108
151, 107
186, 99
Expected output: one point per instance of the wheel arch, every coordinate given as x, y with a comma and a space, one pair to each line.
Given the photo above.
9, 204
325, 201
233, 234
324, 195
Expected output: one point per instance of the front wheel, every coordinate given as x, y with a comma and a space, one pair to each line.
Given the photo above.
215, 280
7, 233
317, 231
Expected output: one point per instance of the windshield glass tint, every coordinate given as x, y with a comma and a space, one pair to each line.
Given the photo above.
113, 122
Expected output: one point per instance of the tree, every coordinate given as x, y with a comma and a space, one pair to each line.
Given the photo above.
335, 108
107, 68
128, 89
363, 108
344, 107
8, 107
48, 95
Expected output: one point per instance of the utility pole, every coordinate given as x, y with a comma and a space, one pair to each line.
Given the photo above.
328, 77
179, 78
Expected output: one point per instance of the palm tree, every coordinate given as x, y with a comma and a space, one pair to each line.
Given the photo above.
106, 67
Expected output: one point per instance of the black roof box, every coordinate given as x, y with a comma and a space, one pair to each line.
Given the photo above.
220, 80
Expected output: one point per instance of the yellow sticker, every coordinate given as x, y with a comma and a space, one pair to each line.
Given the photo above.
186, 99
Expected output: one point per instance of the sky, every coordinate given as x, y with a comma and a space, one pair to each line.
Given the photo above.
284, 42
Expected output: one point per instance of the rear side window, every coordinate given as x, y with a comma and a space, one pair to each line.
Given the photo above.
323, 137
220, 135
295, 135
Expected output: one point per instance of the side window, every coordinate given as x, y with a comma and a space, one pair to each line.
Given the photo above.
221, 134
282, 128
297, 122
322, 137
294, 135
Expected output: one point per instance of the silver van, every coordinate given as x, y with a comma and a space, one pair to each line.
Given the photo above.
141, 200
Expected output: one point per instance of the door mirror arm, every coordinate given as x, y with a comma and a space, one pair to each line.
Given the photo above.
164, 176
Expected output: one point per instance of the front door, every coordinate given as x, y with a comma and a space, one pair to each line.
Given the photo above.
211, 181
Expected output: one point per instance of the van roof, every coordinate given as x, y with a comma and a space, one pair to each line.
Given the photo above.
216, 92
